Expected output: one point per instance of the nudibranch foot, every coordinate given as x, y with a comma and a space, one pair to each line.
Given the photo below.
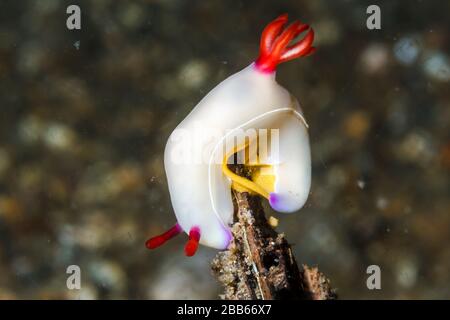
192, 244
158, 241
274, 46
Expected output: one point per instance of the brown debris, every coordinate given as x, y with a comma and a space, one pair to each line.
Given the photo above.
259, 263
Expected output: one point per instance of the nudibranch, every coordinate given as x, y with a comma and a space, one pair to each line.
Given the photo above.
244, 112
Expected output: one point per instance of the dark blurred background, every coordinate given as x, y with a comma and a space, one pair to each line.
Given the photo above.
84, 117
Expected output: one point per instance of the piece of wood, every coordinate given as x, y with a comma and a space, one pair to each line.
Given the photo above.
259, 264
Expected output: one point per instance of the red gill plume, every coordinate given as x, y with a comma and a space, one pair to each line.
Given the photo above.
274, 47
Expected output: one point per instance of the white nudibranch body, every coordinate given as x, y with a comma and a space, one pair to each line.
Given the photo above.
248, 114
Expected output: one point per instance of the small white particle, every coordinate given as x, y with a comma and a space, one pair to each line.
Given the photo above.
382, 203
361, 184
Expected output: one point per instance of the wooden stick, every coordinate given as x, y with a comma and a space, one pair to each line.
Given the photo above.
259, 263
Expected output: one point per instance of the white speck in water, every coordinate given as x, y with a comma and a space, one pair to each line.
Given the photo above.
58, 136
361, 184
193, 74
382, 203
374, 58
406, 273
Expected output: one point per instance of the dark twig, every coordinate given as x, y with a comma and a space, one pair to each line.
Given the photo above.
259, 263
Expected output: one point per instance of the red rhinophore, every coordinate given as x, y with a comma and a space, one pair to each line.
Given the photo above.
274, 47
157, 241
192, 244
